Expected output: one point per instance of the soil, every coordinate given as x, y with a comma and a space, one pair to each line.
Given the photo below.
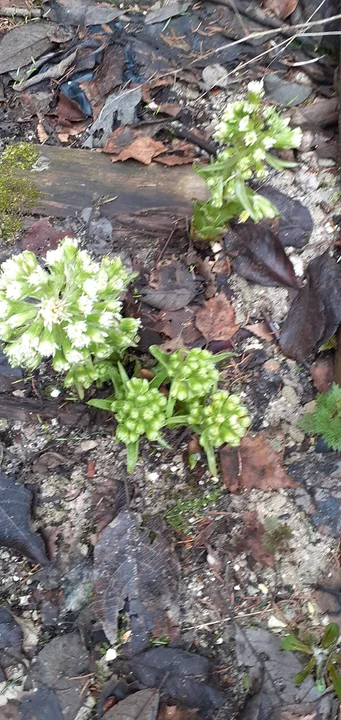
77, 473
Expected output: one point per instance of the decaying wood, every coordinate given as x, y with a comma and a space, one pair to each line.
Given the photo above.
30, 410
74, 179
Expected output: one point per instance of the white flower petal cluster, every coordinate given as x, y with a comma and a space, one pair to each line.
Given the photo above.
69, 310
248, 130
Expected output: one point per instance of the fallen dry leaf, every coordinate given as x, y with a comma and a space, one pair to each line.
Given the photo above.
281, 8
179, 326
120, 139
315, 313
257, 255
137, 575
15, 531
172, 160
252, 540
171, 286
173, 712
261, 330
143, 149
253, 465
42, 236
322, 373
215, 319
141, 705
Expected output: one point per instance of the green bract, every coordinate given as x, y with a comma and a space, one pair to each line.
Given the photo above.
248, 131
70, 310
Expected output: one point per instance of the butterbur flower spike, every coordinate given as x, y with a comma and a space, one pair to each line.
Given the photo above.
69, 311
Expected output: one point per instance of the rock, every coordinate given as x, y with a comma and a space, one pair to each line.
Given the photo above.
272, 365
326, 162
296, 434
306, 180
215, 76
285, 92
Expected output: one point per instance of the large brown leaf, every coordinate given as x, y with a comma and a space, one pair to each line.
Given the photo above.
253, 465
215, 319
315, 312
137, 575
257, 254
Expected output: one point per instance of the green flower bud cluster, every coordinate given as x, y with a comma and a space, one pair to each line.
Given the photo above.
141, 411
192, 375
69, 310
248, 131
223, 420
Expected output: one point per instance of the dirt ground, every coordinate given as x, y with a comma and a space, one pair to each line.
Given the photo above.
240, 584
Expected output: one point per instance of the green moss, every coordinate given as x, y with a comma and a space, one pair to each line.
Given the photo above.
18, 195
326, 418
184, 510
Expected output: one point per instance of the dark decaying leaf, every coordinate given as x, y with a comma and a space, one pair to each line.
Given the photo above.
322, 373
171, 286
215, 319
167, 11
315, 312
294, 224
258, 255
15, 532
137, 575
142, 705
79, 12
252, 540
253, 465
180, 675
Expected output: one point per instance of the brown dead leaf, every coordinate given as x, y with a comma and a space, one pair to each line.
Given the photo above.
252, 540
253, 465
41, 132
42, 236
322, 373
215, 319
173, 712
261, 330
158, 82
143, 149
179, 326
120, 139
171, 109
281, 8
67, 109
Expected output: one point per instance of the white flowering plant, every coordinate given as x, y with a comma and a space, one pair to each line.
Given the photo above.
191, 398
248, 130
69, 310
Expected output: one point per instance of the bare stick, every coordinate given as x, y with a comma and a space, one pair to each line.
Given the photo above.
13, 12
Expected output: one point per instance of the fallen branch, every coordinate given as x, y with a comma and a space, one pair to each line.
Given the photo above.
13, 12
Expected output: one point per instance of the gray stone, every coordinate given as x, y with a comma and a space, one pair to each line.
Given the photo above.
284, 92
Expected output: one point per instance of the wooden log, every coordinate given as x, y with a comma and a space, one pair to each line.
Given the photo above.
73, 179
30, 410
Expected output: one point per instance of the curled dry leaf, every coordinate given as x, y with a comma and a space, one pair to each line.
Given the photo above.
253, 465
215, 319
261, 330
322, 373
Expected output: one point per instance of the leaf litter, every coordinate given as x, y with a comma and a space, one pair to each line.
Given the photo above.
253, 465
15, 531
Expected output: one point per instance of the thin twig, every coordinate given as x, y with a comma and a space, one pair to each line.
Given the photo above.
292, 28
308, 21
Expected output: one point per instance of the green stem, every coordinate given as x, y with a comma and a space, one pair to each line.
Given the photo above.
132, 455
211, 460
159, 378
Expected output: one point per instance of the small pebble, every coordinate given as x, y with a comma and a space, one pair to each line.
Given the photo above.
271, 365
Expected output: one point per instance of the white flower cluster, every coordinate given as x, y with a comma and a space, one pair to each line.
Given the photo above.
70, 310
249, 130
